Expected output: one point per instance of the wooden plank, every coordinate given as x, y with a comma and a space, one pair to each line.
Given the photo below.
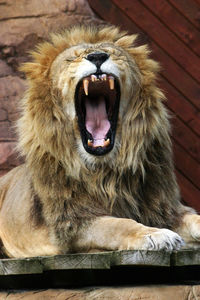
171, 17
187, 165
110, 13
186, 138
104, 260
77, 261
194, 123
142, 258
181, 107
177, 77
174, 74
185, 258
190, 194
20, 266
190, 9
161, 35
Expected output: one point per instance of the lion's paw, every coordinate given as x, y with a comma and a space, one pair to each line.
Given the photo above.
163, 239
153, 239
194, 227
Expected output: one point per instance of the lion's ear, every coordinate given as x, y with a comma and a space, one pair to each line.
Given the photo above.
42, 59
126, 41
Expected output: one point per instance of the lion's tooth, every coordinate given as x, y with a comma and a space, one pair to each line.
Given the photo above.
85, 86
90, 144
111, 82
93, 78
106, 142
104, 77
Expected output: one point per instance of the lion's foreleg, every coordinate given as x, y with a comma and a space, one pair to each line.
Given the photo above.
109, 233
189, 229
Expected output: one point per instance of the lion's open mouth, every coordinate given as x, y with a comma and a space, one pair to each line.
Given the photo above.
97, 104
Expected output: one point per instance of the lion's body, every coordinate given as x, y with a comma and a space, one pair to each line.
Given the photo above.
64, 199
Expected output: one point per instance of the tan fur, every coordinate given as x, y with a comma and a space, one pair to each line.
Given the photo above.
66, 200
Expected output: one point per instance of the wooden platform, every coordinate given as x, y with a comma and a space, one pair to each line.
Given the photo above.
105, 268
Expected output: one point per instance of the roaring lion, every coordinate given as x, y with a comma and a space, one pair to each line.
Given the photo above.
98, 171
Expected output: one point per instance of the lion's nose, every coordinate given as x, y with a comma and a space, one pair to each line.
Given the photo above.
97, 58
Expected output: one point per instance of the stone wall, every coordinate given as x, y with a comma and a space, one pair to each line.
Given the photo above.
22, 25
181, 292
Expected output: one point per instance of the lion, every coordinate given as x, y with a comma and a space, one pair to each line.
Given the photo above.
95, 134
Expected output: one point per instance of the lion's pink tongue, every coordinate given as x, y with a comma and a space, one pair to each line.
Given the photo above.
97, 120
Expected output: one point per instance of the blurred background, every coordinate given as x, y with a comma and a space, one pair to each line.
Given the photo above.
170, 27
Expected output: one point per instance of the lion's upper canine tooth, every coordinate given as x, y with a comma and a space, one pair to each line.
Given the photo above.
106, 142
85, 86
111, 82
93, 77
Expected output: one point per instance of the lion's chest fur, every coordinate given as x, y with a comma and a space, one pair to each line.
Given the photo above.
68, 202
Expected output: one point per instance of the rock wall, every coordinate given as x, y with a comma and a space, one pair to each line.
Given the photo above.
181, 292
23, 24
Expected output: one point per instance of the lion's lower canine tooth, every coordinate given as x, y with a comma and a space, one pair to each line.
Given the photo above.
85, 86
111, 82
106, 142
90, 143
